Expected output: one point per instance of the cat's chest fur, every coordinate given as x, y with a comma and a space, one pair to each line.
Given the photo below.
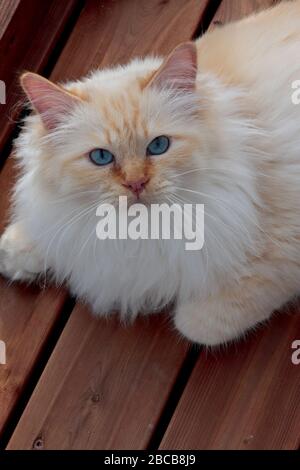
130, 276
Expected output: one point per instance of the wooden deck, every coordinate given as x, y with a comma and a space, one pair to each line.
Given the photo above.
76, 382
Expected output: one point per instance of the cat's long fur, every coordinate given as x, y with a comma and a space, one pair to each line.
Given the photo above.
236, 148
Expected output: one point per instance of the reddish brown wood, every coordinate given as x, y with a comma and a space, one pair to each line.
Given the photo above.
106, 386
244, 398
96, 40
29, 31
234, 10
103, 387
27, 317
7, 9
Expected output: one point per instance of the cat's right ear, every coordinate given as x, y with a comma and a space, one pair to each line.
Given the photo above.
179, 69
50, 101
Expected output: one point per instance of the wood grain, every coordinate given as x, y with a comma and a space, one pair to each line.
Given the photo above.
7, 9
102, 23
234, 10
103, 387
246, 397
106, 386
29, 31
27, 318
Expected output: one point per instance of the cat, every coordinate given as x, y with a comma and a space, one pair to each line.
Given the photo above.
224, 104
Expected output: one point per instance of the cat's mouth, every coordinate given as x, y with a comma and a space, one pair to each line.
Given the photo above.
146, 199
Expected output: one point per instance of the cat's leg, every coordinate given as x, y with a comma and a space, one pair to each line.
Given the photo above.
229, 315
19, 260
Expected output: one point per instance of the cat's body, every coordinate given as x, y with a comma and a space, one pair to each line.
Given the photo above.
235, 147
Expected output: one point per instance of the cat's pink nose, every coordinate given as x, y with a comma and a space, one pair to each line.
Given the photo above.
137, 186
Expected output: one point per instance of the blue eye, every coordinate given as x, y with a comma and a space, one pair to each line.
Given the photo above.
158, 145
101, 157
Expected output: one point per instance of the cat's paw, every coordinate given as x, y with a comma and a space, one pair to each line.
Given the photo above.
202, 323
18, 260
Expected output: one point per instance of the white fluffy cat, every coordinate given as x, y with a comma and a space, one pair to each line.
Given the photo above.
224, 102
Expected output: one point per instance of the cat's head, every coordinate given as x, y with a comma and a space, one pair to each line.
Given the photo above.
123, 131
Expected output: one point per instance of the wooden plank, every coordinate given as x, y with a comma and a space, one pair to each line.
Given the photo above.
234, 10
248, 396
103, 22
106, 386
103, 386
7, 9
29, 30
244, 398
27, 318
24, 43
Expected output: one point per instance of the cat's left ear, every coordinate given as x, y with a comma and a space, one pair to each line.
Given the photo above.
51, 101
179, 70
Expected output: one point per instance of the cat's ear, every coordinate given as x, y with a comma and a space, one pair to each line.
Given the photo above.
179, 70
50, 101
